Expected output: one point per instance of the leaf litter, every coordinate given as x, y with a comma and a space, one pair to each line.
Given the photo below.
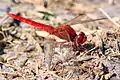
27, 53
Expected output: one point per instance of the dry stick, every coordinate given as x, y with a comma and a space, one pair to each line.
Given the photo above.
13, 74
109, 17
51, 72
2, 34
70, 74
92, 50
117, 46
102, 46
37, 68
4, 38
41, 72
8, 65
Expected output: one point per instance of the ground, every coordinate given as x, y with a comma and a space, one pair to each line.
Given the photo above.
28, 53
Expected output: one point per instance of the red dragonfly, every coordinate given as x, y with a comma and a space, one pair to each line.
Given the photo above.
65, 32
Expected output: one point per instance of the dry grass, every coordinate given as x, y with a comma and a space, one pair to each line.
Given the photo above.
31, 54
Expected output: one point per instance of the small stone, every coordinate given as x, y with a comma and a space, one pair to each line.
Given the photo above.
108, 76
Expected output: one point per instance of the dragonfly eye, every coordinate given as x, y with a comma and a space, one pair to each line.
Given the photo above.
81, 38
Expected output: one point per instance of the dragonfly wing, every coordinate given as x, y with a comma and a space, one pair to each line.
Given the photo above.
65, 32
71, 32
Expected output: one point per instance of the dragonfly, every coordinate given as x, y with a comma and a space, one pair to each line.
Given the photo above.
64, 31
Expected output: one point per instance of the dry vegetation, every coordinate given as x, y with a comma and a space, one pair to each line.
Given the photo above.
27, 53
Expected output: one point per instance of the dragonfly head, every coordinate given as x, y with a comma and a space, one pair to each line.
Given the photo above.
81, 38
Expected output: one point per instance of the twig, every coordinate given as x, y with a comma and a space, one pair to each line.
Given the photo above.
49, 72
53, 73
109, 17
13, 74
8, 65
2, 34
37, 69
9, 73
102, 48
92, 50
70, 74
117, 46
